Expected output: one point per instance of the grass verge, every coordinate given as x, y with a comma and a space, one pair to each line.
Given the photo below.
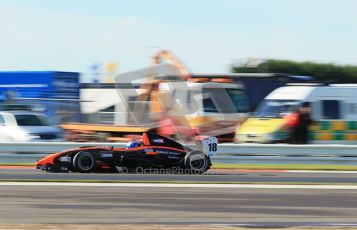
17, 164
286, 167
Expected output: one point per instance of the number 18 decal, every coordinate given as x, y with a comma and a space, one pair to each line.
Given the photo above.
210, 146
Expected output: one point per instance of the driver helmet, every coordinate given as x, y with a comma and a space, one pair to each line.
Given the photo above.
133, 144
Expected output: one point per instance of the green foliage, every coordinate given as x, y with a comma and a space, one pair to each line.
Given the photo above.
322, 72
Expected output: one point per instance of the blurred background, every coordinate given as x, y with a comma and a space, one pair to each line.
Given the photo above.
244, 71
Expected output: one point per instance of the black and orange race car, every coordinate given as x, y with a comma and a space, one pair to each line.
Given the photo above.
154, 152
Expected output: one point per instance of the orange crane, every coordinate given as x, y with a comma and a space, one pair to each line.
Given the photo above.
169, 57
167, 120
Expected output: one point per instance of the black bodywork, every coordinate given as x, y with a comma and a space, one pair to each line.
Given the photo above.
156, 152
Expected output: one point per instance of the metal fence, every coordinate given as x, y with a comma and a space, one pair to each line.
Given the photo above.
227, 153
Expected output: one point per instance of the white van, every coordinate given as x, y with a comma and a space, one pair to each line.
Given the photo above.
333, 110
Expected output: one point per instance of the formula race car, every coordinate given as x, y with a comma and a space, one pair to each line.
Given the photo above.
153, 152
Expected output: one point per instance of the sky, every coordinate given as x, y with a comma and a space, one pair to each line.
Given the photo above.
207, 35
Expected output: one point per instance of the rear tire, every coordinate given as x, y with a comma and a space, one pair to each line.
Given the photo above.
84, 162
197, 162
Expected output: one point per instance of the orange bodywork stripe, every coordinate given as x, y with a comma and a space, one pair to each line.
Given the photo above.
146, 140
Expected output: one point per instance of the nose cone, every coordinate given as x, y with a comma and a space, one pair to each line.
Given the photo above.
49, 159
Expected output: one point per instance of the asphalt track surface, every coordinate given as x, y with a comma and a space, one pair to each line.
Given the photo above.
253, 207
177, 205
213, 176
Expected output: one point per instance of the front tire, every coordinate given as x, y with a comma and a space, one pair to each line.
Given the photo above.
84, 162
197, 162
50, 168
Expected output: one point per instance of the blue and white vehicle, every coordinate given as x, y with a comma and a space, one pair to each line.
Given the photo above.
23, 126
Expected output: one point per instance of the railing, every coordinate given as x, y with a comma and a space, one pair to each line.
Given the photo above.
229, 153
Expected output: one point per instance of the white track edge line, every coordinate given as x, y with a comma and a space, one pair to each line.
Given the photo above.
164, 185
